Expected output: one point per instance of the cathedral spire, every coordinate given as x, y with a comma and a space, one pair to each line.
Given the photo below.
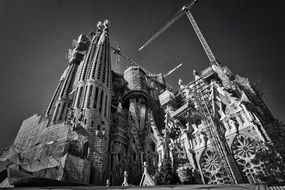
87, 65
91, 53
62, 93
101, 64
93, 99
105, 34
98, 32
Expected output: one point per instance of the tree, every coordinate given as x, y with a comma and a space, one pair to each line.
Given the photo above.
186, 175
273, 165
276, 131
166, 175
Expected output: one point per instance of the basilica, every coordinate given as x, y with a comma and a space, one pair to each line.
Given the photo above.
100, 123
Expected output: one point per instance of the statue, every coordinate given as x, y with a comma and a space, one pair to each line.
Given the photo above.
125, 183
180, 82
144, 167
107, 183
81, 115
70, 116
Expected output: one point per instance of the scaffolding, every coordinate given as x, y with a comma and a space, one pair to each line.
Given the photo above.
203, 100
199, 99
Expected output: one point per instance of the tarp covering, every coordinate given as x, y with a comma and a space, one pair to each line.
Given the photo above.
4, 155
42, 149
76, 167
135, 78
48, 162
37, 142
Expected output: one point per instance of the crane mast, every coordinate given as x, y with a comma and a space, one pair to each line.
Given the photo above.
202, 39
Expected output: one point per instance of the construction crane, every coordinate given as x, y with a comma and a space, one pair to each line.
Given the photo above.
118, 52
172, 70
186, 10
117, 63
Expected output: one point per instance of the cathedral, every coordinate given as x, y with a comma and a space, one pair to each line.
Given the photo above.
99, 123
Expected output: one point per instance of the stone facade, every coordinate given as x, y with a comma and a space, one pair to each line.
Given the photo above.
99, 123
222, 119
102, 122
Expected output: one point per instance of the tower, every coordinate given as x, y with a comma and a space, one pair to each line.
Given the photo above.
93, 100
81, 106
100, 123
61, 100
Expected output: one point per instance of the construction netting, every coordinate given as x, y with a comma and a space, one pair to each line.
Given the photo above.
42, 150
135, 78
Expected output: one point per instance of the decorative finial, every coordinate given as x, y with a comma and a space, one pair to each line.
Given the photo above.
125, 183
99, 24
106, 23
195, 73
145, 167
180, 82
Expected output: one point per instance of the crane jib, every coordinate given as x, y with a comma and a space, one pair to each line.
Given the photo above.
169, 23
186, 10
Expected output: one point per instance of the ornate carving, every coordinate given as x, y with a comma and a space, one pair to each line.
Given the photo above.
213, 168
70, 117
244, 149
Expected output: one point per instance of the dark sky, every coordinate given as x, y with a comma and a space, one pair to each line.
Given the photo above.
245, 35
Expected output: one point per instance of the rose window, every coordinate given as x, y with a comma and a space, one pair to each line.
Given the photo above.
244, 151
212, 167
211, 161
244, 148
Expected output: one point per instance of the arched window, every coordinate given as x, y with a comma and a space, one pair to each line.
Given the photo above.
100, 65
101, 101
84, 96
119, 157
95, 98
153, 147
106, 103
85, 149
79, 97
89, 96
62, 111
56, 112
